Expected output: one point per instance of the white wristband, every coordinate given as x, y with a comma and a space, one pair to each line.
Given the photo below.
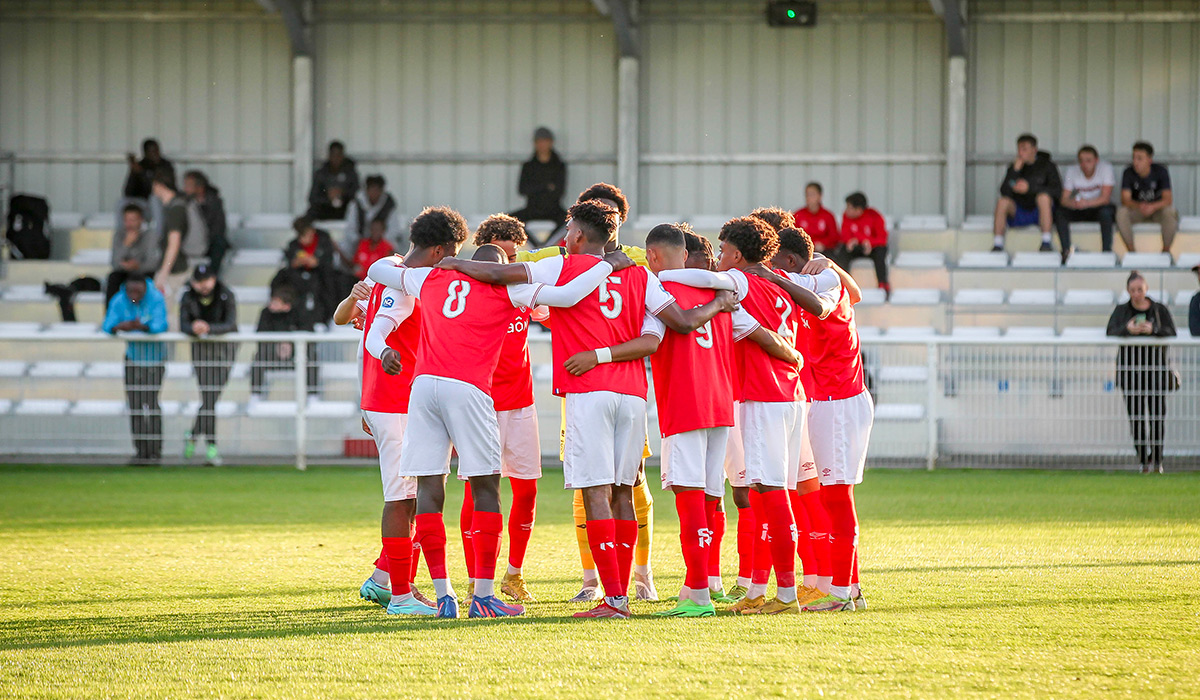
603, 355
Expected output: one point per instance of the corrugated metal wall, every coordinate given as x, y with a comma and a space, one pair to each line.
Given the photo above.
449, 101
97, 78
1107, 83
723, 83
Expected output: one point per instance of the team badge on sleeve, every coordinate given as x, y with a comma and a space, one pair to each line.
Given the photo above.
388, 302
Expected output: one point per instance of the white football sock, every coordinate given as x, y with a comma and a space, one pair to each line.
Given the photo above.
785, 594
640, 570
823, 583
696, 595
442, 587
855, 590
591, 578
743, 581
756, 590
407, 597
810, 580
842, 592
381, 577
998, 241
513, 570
1045, 237
716, 584
484, 587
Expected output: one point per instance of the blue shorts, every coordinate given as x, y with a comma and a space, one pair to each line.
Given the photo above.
1023, 217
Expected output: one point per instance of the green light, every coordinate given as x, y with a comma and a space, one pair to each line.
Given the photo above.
791, 14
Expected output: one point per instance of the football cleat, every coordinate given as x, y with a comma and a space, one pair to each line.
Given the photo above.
492, 606
587, 594
733, 595
688, 608
514, 587
374, 593
830, 603
605, 610
748, 605
860, 601
806, 595
212, 457
776, 606
421, 597
643, 589
447, 606
408, 605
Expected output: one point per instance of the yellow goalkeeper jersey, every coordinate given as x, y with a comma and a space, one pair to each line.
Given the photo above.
636, 254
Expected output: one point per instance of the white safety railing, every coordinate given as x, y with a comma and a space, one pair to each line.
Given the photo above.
69, 395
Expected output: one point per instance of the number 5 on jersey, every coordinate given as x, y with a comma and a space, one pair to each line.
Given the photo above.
611, 297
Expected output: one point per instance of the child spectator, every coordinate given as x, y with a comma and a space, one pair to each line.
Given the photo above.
280, 317
371, 248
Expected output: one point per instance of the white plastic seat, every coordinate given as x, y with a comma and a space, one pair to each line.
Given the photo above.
1037, 261
977, 223
902, 373
264, 257
1187, 261
899, 412
58, 369
1030, 332
170, 407
14, 328
1189, 223
869, 331
1032, 297
252, 295
1147, 227
271, 409
916, 333
319, 408
1184, 297
10, 369
25, 292
223, 409
105, 220
1088, 297
71, 328
920, 260
916, 297
178, 370
977, 259
98, 407
873, 296
1146, 261
42, 407
979, 297
1084, 332
233, 221
923, 222
92, 256
976, 332
105, 370
1101, 260
5, 405
339, 370
281, 222
65, 220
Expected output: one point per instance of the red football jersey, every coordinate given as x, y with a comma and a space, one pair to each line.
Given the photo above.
383, 392
512, 385
870, 227
763, 377
832, 353
610, 315
693, 374
821, 227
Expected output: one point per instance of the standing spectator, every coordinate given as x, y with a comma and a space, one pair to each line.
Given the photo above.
279, 317
1027, 195
1146, 196
197, 187
864, 235
173, 268
543, 178
1086, 196
373, 203
139, 307
208, 309
1194, 309
139, 182
370, 249
1143, 371
134, 251
309, 272
817, 221
334, 185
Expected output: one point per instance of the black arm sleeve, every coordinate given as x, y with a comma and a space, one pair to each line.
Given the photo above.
1006, 189
1117, 322
187, 313
1165, 325
1194, 315
525, 184
227, 315
560, 178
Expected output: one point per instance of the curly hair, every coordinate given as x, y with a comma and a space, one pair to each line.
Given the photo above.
603, 190
796, 240
776, 217
752, 236
436, 226
699, 248
597, 220
500, 227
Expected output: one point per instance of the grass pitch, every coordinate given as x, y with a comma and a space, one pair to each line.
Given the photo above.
244, 583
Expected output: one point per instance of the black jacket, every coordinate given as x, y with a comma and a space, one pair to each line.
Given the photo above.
138, 184
542, 183
345, 177
1142, 367
1042, 176
218, 310
213, 210
1194, 315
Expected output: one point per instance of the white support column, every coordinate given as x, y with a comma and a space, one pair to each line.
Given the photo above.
302, 131
956, 140
628, 150
300, 387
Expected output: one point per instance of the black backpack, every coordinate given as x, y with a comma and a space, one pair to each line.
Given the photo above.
29, 227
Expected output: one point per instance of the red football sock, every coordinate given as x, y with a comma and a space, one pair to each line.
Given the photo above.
854, 574
694, 536
843, 539
819, 527
804, 546
602, 540
431, 535
486, 529
520, 519
783, 531
416, 559
747, 529
399, 552
716, 523
761, 571
626, 534
465, 528
381, 562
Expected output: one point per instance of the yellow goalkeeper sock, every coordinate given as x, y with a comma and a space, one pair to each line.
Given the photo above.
643, 507
581, 538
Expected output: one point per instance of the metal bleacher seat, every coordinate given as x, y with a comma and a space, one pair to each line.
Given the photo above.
271, 409
1146, 261
979, 259
223, 409
340, 370
1088, 297
645, 222
979, 297
1029, 332
975, 332
920, 260
916, 297
1096, 260
320, 408
104, 220
1036, 261
1032, 297
233, 221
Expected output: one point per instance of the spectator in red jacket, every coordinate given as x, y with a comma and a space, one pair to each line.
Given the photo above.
864, 235
817, 221
372, 248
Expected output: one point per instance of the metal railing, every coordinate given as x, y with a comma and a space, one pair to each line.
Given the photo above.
70, 395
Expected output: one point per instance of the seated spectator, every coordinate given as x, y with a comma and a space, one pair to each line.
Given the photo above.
334, 186
1027, 195
372, 204
139, 307
279, 317
212, 209
370, 249
207, 309
864, 235
138, 184
817, 221
543, 178
1146, 196
309, 269
1194, 309
173, 266
1086, 196
135, 250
